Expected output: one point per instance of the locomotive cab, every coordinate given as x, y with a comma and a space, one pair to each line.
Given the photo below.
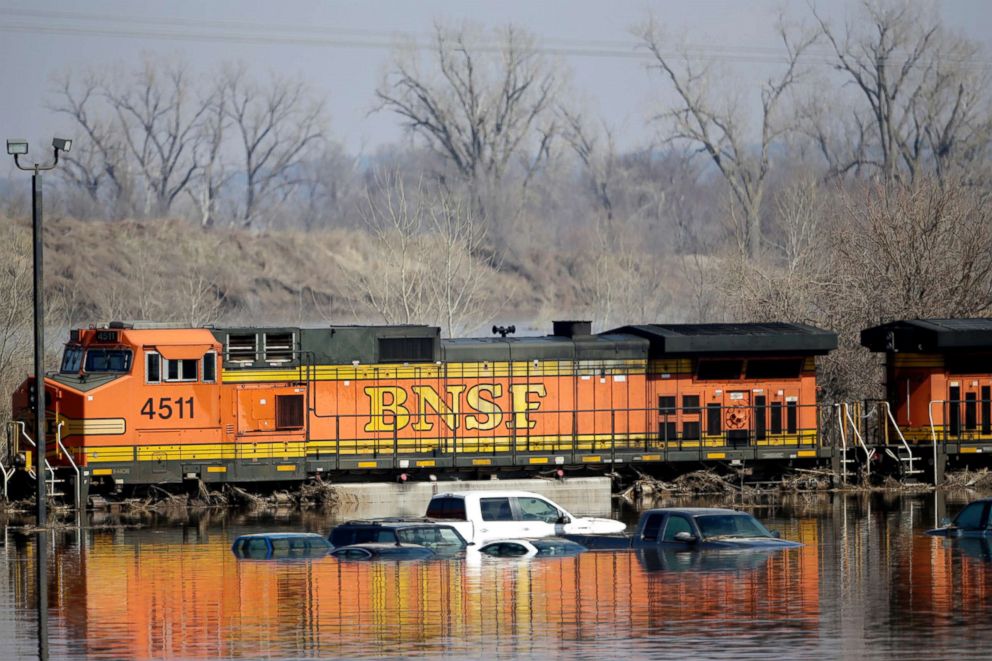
123, 394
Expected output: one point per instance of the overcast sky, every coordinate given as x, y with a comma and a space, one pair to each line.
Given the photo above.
342, 47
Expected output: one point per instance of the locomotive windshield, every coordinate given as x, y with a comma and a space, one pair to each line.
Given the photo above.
72, 360
108, 360
95, 360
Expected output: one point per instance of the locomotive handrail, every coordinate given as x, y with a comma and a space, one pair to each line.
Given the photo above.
58, 441
895, 425
48, 466
841, 425
5, 457
933, 436
869, 453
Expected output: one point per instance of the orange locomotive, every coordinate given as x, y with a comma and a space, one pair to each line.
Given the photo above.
938, 377
150, 405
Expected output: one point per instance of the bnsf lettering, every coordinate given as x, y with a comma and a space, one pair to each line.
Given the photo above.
391, 407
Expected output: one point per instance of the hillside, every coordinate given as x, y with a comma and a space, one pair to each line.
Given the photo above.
171, 270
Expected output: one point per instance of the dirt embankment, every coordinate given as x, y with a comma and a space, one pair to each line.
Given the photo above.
172, 270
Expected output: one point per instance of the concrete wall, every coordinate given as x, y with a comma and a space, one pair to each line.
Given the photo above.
582, 496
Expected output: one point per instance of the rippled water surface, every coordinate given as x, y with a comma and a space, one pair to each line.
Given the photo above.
867, 583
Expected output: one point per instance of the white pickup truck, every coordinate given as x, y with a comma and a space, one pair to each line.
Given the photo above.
481, 516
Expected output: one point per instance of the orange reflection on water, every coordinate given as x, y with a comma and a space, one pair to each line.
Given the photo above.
144, 598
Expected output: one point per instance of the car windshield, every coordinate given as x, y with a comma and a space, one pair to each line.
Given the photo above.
431, 536
108, 360
970, 518
730, 525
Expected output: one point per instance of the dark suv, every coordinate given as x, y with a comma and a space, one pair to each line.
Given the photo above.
439, 537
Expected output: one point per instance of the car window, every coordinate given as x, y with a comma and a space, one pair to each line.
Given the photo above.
447, 508
970, 517
537, 509
676, 524
430, 536
253, 548
353, 554
346, 536
297, 547
496, 509
652, 526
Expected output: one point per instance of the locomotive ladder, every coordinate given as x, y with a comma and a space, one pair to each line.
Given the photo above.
51, 480
844, 460
905, 452
858, 438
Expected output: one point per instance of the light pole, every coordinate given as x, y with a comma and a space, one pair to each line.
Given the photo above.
18, 148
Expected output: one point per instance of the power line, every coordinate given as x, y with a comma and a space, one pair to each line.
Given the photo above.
246, 32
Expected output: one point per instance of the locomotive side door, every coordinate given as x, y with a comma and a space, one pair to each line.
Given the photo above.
737, 417
271, 421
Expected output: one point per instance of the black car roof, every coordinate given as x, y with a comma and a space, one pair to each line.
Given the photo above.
693, 511
395, 522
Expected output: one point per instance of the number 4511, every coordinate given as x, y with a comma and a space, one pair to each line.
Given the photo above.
167, 407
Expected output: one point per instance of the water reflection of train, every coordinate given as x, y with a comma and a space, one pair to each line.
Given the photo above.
145, 594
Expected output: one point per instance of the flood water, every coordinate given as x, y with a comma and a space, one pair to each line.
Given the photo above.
867, 583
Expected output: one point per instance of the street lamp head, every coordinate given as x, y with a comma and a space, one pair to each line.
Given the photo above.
61, 144
17, 147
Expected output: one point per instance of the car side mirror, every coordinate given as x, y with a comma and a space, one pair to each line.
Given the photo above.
776, 534
684, 536
563, 519
945, 522
469, 543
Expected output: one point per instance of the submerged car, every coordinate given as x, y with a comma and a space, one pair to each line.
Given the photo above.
440, 538
280, 546
529, 548
694, 528
382, 551
972, 521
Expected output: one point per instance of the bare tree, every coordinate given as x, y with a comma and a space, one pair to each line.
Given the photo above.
923, 251
198, 296
923, 92
275, 125
394, 289
463, 290
158, 115
98, 164
597, 154
718, 129
16, 312
212, 173
429, 264
478, 108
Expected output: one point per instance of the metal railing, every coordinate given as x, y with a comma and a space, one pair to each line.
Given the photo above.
570, 430
47, 465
